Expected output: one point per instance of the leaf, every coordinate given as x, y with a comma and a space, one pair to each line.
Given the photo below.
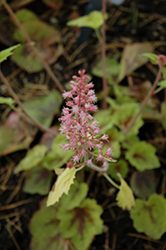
163, 112
124, 116
106, 121
162, 85
44, 108
7, 100
57, 156
143, 183
94, 20
61, 186
45, 231
15, 134
46, 38
153, 58
112, 69
130, 141
37, 181
164, 71
142, 156
4, 54
121, 167
32, 158
149, 217
125, 196
76, 195
132, 58
82, 223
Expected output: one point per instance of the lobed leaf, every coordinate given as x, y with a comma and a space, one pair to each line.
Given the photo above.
37, 181
142, 156
45, 231
125, 196
149, 217
82, 223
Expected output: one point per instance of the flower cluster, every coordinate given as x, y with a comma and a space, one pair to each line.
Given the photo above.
80, 127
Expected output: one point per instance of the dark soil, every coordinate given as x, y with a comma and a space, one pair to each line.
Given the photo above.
135, 21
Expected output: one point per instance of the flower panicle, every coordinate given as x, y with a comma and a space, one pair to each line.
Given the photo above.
79, 125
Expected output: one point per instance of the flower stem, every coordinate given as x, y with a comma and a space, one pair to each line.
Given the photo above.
111, 181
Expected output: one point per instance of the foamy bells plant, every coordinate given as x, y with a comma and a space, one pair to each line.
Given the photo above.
84, 138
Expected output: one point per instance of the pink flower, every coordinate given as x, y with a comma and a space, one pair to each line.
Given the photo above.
79, 125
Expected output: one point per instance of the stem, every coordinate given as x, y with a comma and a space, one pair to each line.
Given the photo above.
103, 54
14, 95
98, 35
111, 181
145, 101
29, 42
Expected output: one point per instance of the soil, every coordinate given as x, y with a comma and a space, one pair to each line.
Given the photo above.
134, 21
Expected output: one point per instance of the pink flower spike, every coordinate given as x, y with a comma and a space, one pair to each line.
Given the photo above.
80, 126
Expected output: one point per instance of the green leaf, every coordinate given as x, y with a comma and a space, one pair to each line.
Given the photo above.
149, 217
45, 231
112, 69
163, 112
57, 157
24, 15
125, 196
124, 116
105, 119
44, 108
32, 158
4, 54
94, 20
143, 183
162, 85
153, 58
130, 141
142, 156
77, 194
121, 167
61, 186
7, 100
82, 223
37, 181
164, 71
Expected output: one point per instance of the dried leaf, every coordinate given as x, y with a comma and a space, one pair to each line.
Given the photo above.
61, 186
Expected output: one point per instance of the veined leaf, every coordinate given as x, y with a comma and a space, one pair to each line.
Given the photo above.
45, 231
149, 217
82, 223
142, 156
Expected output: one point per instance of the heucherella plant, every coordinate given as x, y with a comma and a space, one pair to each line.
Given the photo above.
85, 139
